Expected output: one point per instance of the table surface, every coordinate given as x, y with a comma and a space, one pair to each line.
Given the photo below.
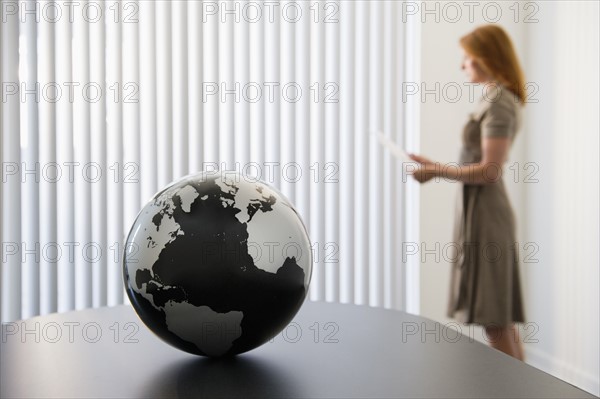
328, 350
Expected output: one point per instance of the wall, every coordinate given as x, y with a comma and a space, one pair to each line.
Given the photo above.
557, 215
562, 209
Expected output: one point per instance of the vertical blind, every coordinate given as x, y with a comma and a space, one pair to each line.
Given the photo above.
105, 102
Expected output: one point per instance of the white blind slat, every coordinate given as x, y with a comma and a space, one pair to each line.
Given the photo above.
256, 92
131, 118
164, 92
86, 251
116, 170
180, 89
210, 85
30, 150
347, 168
317, 154
98, 131
241, 128
226, 91
270, 87
64, 153
375, 157
331, 165
302, 112
287, 92
11, 155
47, 136
148, 103
195, 79
390, 109
361, 154
131, 113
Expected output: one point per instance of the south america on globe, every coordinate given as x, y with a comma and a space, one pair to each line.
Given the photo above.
217, 264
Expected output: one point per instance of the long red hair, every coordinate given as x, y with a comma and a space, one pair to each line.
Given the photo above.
493, 50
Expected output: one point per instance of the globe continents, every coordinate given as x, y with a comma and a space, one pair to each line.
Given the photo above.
217, 264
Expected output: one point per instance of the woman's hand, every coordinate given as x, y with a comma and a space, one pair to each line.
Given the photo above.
426, 170
420, 159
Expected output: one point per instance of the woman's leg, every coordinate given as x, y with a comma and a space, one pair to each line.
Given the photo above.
504, 339
516, 340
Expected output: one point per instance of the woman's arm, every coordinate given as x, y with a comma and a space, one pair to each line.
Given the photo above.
488, 170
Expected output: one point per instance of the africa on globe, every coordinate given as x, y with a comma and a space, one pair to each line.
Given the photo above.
217, 264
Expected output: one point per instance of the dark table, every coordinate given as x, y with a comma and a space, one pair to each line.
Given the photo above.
329, 350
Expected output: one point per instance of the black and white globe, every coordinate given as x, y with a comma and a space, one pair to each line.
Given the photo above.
217, 264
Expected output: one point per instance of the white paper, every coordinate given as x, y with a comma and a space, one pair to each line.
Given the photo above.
394, 148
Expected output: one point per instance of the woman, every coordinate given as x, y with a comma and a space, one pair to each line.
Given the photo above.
485, 287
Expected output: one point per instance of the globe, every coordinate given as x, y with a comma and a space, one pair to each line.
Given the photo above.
217, 264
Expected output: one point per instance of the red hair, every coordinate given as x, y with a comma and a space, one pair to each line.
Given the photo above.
493, 50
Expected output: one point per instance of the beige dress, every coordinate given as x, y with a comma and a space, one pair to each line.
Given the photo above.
485, 286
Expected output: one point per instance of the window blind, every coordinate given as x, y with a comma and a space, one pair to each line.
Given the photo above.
106, 102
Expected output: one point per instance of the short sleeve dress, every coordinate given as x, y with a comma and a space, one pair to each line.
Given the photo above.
485, 285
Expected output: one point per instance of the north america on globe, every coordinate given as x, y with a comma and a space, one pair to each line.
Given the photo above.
217, 265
